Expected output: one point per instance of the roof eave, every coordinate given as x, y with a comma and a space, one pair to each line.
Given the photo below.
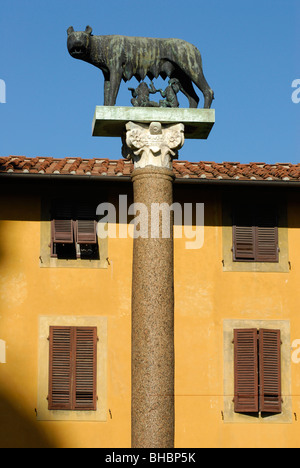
122, 178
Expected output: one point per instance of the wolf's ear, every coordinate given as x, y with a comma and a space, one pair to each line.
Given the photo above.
70, 30
88, 30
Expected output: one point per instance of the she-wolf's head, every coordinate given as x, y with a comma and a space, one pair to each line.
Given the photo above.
78, 42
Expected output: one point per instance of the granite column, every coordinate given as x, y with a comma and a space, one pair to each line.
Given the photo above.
152, 146
153, 321
152, 149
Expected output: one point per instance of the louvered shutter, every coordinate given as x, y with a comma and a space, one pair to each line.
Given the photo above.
85, 374
243, 235
62, 230
86, 231
60, 368
86, 226
243, 244
266, 236
245, 371
270, 370
255, 234
62, 225
72, 368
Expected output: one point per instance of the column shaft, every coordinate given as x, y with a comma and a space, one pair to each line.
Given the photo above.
153, 320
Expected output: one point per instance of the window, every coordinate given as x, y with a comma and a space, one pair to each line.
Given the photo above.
257, 370
281, 327
73, 230
68, 323
68, 234
255, 234
72, 368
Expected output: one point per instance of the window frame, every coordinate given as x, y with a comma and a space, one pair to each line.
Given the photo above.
48, 261
69, 214
228, 265
229, 415
43, 412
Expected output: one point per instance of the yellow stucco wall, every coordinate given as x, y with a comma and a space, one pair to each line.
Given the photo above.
205, 296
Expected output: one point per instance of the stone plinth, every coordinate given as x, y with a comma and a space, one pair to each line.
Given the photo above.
110, 121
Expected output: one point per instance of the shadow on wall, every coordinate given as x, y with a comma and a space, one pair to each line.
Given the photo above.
17, 431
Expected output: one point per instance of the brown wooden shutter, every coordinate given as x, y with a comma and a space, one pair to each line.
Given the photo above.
86, 231
270, 370
85, 375
255, 234
245, 370
62, 224
243, 242
60, 368
243, 234
72, 368
266, 236
62, 230
86, 226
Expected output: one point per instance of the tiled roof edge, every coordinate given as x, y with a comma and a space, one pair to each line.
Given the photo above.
122, 168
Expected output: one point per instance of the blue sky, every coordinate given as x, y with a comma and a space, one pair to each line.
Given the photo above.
250, 52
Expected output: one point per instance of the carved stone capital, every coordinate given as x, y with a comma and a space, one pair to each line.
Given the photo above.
152, 144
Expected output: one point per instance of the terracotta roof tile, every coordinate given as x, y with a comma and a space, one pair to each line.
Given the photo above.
103, 167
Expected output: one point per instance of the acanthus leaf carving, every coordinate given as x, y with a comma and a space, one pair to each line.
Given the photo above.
154, 144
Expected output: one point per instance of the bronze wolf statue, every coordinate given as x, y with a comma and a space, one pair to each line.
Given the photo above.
122, 57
